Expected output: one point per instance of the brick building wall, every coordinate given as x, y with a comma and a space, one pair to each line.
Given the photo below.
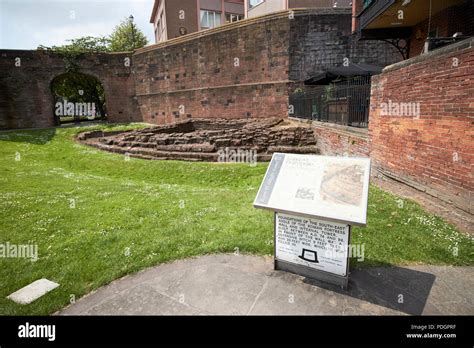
237, 71
173, 22
444, 24
246, 69
434, 150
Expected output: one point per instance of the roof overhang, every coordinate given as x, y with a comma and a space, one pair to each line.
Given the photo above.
384, 15
153, 12
335, 73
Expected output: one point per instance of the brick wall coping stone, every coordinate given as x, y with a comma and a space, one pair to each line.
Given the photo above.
337, 128
55, 53
243, 23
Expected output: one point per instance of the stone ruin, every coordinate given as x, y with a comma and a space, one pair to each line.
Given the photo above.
204, 139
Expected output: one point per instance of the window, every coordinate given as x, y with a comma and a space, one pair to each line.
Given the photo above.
210, 19
367, 3
161, 27
162, 22
253, 3
231, 18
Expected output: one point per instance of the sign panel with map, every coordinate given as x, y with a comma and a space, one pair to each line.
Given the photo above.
325, 187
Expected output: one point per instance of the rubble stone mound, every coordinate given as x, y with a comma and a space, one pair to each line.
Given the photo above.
208, 140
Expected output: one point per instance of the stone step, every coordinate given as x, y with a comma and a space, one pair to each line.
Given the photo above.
170, 155
212, 156
187, 148
179, 148
203, 156
156, 155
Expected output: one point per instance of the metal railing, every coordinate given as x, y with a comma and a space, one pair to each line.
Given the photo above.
346, 103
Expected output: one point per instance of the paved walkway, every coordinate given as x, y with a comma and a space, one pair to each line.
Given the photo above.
242, 284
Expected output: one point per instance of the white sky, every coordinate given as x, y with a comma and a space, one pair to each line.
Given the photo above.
26, 24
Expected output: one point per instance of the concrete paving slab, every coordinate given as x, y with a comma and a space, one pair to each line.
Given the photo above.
32, 291
141, 300
285, 294
233, 291
243, 284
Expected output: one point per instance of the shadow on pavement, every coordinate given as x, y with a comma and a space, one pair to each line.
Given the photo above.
397, 288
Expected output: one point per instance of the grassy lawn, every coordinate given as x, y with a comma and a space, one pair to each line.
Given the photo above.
96, 217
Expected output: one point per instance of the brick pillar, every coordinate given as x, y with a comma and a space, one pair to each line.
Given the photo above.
356, 8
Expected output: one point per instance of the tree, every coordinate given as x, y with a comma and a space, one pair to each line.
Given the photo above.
79, 88
85, 44
127, 37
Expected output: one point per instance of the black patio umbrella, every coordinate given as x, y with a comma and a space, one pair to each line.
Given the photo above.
331, 74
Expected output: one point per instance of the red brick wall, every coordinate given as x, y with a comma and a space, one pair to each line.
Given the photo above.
337, 140
245, 101
196, 75
333, 140
435, 151
236, 73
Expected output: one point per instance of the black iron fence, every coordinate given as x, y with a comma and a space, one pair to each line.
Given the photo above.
346, 103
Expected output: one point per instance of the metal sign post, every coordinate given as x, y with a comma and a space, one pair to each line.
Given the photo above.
316, 200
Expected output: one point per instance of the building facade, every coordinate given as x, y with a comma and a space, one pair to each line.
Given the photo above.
262, 7
171, 18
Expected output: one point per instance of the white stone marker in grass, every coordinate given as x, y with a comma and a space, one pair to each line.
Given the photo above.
32, 291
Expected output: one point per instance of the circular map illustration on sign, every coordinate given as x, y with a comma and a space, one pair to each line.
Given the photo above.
342, 183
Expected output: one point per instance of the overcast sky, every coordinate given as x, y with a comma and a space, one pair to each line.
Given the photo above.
26, 24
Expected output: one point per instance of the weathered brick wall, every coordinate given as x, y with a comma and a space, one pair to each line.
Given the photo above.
25, 95
238, 71
435, 151
246, 69
338, 140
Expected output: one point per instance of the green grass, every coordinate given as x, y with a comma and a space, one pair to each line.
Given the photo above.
160, 211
